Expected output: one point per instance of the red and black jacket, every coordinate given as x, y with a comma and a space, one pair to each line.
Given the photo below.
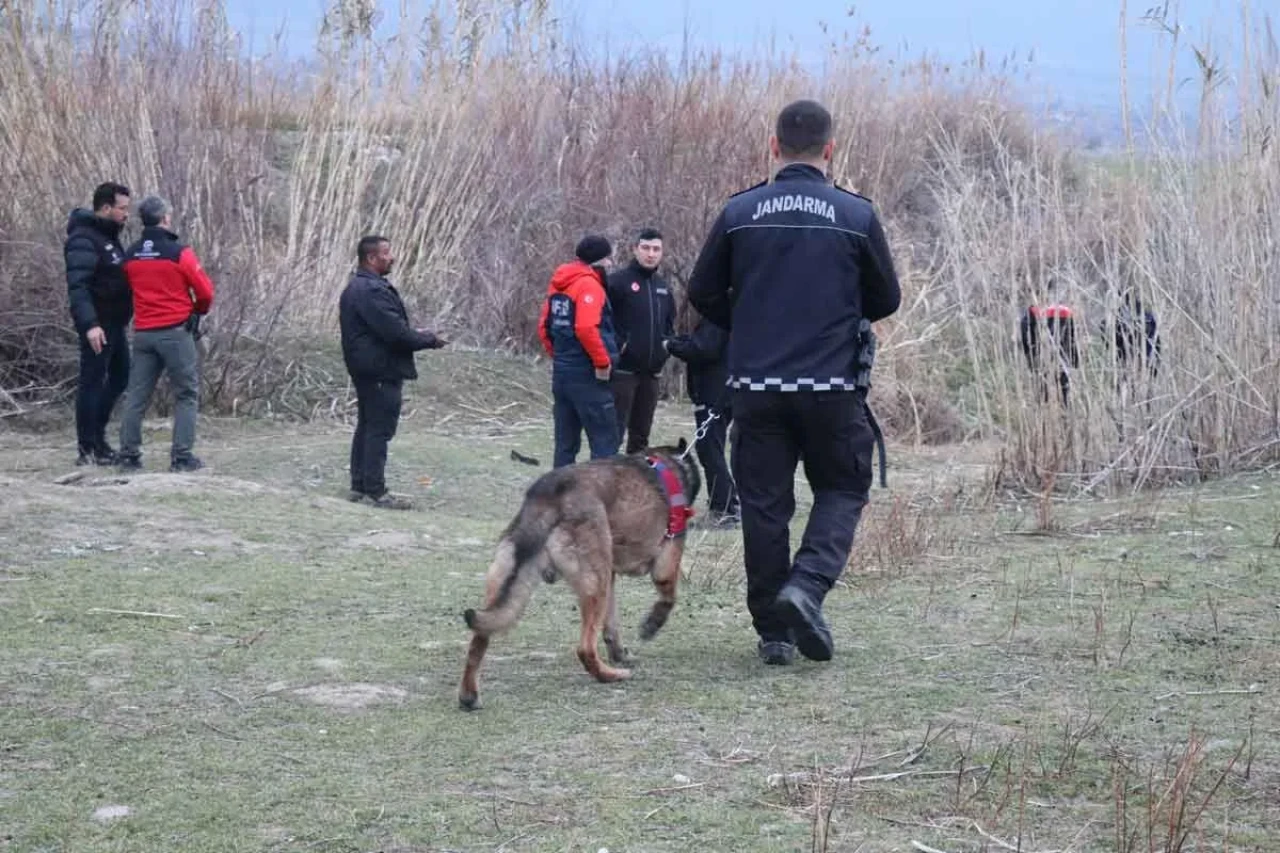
167, 281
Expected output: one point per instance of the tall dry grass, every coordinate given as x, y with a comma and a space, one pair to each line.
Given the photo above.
484, 143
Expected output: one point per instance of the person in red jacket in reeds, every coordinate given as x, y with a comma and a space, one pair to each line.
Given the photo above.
576, 329
170, 293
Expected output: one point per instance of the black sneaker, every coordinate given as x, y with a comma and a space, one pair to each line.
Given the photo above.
129, 463
185, 465
802, 613
776, 652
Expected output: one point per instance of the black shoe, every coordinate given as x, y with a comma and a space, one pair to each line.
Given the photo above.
776, 652
101, 455
129, 463
185, 465
386, 500
802, 613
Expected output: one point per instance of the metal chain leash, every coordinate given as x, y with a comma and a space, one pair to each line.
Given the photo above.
700, 433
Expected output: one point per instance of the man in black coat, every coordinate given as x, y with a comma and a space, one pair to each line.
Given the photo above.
644, 312
706, 373
101, 307
797, 269
378, 346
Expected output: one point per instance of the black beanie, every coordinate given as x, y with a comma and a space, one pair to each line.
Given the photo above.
593, 248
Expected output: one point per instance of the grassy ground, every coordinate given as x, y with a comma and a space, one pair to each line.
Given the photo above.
241, 660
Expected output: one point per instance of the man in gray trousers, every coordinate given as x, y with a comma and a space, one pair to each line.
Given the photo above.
170, 293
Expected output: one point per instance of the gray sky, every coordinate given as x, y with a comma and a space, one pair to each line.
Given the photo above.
1075, 42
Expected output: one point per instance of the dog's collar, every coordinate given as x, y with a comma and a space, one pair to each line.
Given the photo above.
678, 510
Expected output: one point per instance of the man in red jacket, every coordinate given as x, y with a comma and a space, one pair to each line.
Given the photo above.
170, 292
576, 329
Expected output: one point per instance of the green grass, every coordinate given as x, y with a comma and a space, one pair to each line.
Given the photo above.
1040, 666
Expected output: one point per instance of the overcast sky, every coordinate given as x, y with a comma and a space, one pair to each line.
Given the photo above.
1075, 42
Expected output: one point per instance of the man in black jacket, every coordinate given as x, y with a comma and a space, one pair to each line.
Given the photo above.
378, 347
101, 308
703, 353
796, 269
644, 312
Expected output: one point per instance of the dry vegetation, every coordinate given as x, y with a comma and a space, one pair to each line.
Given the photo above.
486, 144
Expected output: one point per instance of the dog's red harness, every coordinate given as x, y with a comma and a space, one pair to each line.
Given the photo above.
678, 510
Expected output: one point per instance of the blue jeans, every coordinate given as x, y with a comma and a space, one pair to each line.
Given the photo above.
583, 403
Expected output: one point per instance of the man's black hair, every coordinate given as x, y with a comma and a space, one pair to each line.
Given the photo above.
105, 195
368, 245
803, 128
649, 234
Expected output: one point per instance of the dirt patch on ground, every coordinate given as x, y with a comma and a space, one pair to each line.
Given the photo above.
352, 697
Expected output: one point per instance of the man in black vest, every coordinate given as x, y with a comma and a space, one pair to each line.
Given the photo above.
644, 313
101, 308
378, 346
796, 269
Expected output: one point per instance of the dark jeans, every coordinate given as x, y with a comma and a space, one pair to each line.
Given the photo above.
721, 495
582, 403
773, 431
103, 378
635, 396
377, 417
171, 351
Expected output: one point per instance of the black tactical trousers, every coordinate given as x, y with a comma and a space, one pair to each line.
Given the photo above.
773, 431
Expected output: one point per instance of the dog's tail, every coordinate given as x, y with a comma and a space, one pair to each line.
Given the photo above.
517, 566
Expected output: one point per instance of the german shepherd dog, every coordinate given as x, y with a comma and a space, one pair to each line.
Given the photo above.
587, 523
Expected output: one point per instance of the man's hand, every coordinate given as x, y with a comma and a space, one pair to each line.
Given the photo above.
97, 339
602, 373
440, 342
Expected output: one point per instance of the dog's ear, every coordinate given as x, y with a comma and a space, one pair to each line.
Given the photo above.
681, 445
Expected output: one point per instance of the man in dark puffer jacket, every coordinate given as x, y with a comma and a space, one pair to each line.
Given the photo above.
101, 308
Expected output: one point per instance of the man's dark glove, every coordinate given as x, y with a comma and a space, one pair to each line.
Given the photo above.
193, 326
678, 346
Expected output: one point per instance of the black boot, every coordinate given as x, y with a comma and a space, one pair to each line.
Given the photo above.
801, 611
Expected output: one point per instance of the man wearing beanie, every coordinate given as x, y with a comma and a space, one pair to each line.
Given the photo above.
576, 330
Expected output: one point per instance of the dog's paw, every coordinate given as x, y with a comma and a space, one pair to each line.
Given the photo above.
621, 657
469, 702
649, 628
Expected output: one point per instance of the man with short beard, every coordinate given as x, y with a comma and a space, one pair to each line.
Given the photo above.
101, 308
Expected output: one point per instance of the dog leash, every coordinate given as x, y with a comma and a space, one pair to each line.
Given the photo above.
700, 433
